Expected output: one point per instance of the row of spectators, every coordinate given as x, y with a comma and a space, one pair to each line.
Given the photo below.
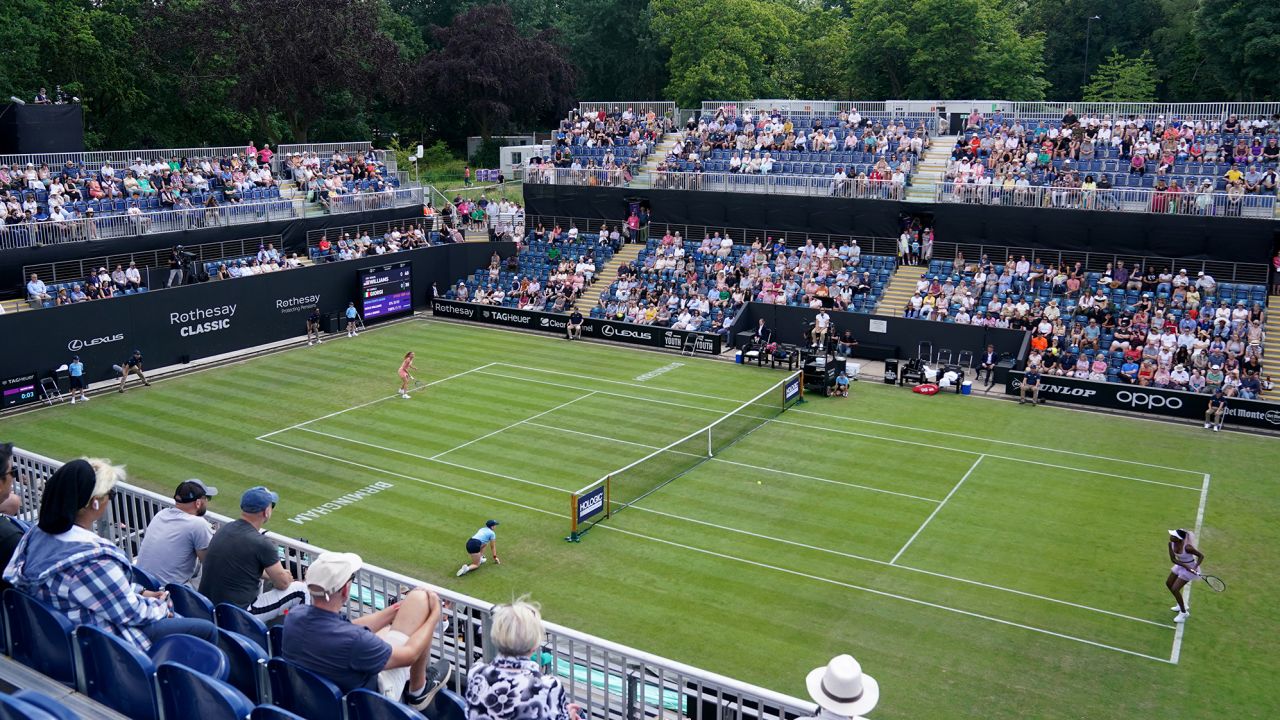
100, 285
63, 563
1171, 334
408, 236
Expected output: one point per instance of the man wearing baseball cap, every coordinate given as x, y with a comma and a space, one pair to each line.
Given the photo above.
386, 651
178, 536
240, 554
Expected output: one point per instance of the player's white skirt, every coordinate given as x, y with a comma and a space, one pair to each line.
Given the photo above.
1184, 573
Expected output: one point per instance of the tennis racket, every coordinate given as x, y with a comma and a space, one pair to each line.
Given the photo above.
417, 384
1214, 582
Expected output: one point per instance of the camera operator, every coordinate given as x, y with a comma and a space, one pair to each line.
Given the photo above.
176, 261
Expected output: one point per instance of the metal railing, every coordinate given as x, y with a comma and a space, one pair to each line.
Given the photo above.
1046, 110
375, 229
378, 200
1130, 200
1098, 261
607, 679
54, 232
811, 185
70, 270
639, 107
117, 158
867, 244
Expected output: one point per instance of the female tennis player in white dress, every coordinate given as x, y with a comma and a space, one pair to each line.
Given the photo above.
1186, 561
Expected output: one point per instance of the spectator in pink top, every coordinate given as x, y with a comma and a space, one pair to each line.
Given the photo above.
265, 154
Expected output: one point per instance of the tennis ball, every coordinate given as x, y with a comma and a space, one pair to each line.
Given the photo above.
759, 482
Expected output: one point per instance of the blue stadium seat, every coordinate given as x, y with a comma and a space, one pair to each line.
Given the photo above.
39, 637
186, 694
145, 579
230, 617
15, 708
115, 673
302, 691
192, 652
247, 665
188, 603
275, 640
446, 705
271, 712
51, 706
368, 705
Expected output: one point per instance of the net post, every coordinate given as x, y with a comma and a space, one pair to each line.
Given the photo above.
573, 518
709, 446
608, 503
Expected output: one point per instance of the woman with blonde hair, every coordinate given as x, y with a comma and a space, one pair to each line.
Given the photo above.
512, 686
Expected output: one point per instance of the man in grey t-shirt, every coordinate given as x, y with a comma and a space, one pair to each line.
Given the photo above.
178, 536
240, 557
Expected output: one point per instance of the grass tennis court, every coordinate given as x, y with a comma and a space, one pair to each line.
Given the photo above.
979, 558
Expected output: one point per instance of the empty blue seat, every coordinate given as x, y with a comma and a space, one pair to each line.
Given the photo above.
145, 579
192, 652
115, 673
302, 691
16, 708
230, 617
188, 603
271, 712
39, 637
368, 705
246, 665
446, 705
185, 693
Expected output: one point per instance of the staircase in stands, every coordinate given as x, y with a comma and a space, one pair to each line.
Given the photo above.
931, 169
899, 289
605, 277
1271, 360
659, 153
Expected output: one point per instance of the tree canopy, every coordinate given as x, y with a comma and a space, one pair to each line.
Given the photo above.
191, 72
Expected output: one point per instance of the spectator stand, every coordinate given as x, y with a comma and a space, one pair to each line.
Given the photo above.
376, 238
594, 672
550, 262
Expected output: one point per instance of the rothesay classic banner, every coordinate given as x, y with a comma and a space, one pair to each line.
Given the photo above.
646, 335
1150, 400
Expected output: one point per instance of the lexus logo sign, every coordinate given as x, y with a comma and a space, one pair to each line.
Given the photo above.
78, 344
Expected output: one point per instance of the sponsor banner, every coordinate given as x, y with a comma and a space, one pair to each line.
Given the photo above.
1150, 400
646, 335
590, 504
791, 391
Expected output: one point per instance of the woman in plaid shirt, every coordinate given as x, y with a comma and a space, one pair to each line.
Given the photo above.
66, 565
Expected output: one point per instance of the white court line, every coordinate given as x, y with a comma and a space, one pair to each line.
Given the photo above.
1186, 597
830, 551
927, 520
373, 402
437, 460
992, 440
604, 392
992, 455
739, 464
712, 553
873, 422
437, 456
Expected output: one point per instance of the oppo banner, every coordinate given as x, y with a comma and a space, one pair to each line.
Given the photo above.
647, 335
1151, 400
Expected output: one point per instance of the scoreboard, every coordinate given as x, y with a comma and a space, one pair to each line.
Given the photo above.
386, 291
19, 390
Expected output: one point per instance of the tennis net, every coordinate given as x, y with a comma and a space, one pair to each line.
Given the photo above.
628, 485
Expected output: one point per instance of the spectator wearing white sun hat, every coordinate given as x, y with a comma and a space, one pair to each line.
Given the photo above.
842, 690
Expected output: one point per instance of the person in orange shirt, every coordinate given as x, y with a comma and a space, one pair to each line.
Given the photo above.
1039, 342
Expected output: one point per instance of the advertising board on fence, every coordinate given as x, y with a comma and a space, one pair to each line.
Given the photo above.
1150, 400
646, 335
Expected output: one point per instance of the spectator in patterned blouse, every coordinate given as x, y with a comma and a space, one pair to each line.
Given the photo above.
512, 686
63, 563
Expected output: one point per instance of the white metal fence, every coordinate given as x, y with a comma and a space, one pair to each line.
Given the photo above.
51, 232
607, 679
639, 107
1132, 200
117, 158
812, 185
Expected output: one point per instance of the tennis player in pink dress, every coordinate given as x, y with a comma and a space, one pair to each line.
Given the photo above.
405, 366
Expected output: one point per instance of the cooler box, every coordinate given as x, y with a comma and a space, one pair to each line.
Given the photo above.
966, 387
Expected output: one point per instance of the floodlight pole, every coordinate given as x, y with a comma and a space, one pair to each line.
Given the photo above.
1084, 74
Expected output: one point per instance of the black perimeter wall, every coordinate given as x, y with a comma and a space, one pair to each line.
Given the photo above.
197, 321
1209, 238
30, 129
293, 234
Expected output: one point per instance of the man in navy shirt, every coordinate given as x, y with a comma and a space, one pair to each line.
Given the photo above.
386, 651
133, 364
1030, 381
1216, 412
575, 325
1129, 371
